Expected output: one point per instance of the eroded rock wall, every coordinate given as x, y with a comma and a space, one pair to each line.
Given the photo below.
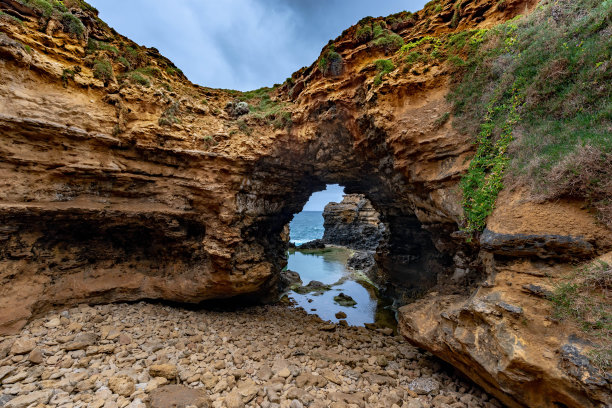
353, 223
117, 191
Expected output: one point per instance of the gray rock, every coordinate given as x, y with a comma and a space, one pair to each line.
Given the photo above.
4, 399
516, 310
542, 246
237, 108
423, 386
537, 290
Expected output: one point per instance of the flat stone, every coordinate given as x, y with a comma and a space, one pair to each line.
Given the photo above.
36, 356
167, 371
178, 396
6, 371
516, 310
423, 386
23, 346
234, 400
23, 401
82, 341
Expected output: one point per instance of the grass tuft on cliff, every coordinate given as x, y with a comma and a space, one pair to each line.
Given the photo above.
537, 92
584, 297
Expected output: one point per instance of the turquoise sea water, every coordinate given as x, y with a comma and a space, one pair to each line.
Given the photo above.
306, 226
329, 267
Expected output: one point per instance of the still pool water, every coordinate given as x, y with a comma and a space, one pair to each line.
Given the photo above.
329, 267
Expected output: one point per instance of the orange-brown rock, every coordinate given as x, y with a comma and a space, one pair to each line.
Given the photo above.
112, 190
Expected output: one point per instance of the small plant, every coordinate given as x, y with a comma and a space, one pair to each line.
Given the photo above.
384, 67
386, 39
283, 121
93, 46
441, 121
103, 70
583, 297
66, 75
136, 77
501, 5
28, 49
364, 33
244, 127
173, 71
168, 117
331, 62
73, 24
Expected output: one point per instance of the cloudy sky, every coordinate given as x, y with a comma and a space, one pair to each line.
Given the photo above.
240, 44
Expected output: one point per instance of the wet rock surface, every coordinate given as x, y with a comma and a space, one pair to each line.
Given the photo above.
269, 356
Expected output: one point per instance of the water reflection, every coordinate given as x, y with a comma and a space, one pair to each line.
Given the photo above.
329, 267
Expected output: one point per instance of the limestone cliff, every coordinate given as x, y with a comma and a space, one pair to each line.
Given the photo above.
121, 181
352, 223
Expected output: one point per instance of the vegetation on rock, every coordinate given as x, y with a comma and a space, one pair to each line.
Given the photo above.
584, 297
538, 92
331, 62
384, 66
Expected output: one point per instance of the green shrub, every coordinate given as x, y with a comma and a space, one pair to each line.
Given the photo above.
244, 127
73, 24
103, 70
136, 77
93, 46
66, 75
364, 33
42, 6
173, 71
284, 120
386, 39
384, 66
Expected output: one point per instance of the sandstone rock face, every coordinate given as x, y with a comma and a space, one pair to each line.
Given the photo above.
352, 223
113, 191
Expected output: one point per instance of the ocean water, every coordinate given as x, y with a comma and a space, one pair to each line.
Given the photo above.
306, 226
329, 267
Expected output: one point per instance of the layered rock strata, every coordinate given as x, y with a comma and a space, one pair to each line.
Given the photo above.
352, 223
118, 188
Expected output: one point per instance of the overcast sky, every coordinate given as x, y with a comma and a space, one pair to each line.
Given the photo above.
240, 44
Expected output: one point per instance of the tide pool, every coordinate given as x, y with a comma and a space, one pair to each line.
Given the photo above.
329, 267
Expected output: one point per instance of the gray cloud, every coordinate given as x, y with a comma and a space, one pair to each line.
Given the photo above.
240, 44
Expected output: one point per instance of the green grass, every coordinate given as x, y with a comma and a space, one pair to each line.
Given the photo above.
583, 297
537, 91
94, 45
67, 74
103, 70
138, 78
364, 33
73, 24
386, 39
384, 66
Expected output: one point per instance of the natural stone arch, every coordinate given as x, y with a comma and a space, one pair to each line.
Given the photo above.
280, 184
